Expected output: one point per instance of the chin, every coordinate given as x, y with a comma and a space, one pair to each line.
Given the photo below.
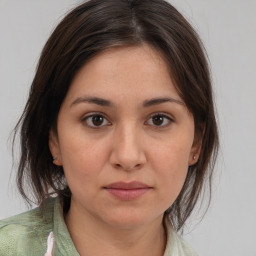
129, 219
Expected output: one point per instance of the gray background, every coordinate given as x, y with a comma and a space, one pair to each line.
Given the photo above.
228, 30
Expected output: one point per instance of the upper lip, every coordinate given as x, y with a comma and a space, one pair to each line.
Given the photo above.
127, 185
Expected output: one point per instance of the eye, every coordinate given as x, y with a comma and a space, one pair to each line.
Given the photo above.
95, 121
159, 120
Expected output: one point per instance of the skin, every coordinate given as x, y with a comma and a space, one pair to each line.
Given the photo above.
128, 143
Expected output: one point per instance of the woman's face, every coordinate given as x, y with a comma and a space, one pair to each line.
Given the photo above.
125, 138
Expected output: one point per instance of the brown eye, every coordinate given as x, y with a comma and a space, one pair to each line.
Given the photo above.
159, 120
95, 121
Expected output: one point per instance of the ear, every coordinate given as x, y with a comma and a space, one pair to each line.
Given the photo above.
54, 148
196, 147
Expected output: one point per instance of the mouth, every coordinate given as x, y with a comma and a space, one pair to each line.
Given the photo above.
127, 191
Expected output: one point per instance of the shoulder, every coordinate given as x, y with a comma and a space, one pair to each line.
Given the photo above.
185, 247
26, 232
176, 245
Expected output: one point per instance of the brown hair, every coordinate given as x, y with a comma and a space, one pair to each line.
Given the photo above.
90, 28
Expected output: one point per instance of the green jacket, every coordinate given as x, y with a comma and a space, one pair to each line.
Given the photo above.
26, 234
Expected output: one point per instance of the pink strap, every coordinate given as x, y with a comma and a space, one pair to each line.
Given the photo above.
50, 243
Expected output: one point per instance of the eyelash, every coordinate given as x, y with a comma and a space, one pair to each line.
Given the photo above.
86, 118
166, 118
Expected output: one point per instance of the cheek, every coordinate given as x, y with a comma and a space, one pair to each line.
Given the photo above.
82, 160
170, 163
172, 155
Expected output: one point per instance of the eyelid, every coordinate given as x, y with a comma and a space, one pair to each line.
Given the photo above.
91, 114
165, 115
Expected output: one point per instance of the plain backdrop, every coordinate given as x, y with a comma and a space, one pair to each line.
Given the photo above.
228, 30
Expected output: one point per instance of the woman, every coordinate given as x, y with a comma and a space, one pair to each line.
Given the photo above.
118, 135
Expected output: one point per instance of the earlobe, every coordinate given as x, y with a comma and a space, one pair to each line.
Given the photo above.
194, 155
193, 158
54, 148
196, 148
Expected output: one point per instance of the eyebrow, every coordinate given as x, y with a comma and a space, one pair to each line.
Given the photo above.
157, 101
93, 100
107, 103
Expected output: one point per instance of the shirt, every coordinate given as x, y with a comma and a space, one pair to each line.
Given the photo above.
26, 234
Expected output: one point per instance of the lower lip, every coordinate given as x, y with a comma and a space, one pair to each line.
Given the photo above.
127, 194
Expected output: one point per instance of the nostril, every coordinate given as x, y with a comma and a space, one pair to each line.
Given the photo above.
128, 167
118, 166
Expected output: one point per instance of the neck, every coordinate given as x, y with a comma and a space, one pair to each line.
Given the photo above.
93, 237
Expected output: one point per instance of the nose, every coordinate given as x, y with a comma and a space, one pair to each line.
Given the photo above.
127, 150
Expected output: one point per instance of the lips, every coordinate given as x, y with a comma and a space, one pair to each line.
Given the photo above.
127, 191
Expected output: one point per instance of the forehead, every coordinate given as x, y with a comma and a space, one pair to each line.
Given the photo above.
124, 71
